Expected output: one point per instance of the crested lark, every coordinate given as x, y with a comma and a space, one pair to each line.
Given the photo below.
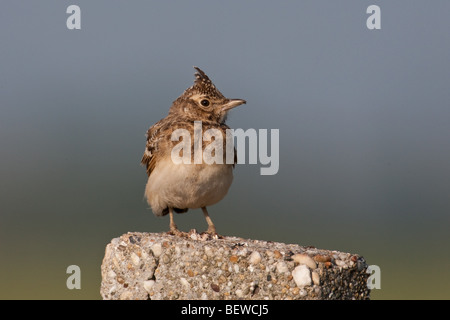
180, 186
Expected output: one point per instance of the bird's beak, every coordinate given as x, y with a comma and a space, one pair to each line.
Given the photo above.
232, 103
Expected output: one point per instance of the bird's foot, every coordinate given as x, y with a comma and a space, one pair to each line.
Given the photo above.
175, 232
212, 233
211, 230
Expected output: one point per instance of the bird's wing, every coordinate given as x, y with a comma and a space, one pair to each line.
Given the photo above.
157, 134
153, 138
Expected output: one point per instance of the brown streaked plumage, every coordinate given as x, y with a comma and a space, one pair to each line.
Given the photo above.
179, 187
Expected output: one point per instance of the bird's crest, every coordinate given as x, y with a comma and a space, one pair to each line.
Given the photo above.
203, 85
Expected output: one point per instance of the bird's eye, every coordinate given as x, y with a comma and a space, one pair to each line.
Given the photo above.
204, 102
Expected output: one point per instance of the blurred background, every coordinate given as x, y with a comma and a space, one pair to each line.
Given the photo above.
364, 120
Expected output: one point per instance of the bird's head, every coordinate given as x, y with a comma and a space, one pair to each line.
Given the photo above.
203, 101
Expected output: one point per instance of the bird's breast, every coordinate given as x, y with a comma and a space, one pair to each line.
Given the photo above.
188, 185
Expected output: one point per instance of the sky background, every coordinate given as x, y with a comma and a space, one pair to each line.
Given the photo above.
364, 120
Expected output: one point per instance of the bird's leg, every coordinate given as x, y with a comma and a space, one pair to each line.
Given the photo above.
211, 228
173, 227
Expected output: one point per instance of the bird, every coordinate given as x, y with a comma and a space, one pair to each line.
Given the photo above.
177, 187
